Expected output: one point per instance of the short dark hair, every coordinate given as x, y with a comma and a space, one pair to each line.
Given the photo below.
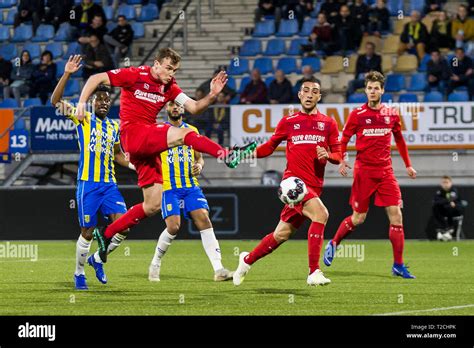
310, 79
371, 44
374, 76
103, 88
167, 52
447, 177
121, 16
460, 49
47, 53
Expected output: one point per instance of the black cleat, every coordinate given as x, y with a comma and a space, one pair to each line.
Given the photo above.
238, 153
102, 241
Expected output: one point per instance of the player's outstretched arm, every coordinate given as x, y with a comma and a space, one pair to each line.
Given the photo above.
91, 85
121, 159
196, 107
73, 64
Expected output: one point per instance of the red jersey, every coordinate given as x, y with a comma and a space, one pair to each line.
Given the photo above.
143, 96
303, 133
373, 129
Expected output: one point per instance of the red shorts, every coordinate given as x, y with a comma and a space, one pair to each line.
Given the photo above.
382, 182
143, 144
294, 216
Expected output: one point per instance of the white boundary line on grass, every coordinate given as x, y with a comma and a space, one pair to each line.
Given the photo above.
428, 310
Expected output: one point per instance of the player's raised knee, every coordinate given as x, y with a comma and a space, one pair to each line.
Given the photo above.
358, 218
151, 208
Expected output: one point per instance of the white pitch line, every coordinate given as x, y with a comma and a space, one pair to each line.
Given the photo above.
428, 310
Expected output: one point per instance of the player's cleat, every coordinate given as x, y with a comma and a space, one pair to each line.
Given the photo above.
80, 282
223, 274
99, 269
401, 270
102, 241
238, 153
154, 272
329, 253
317, 278
241, 270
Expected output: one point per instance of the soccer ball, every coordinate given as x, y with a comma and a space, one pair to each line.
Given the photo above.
292, 190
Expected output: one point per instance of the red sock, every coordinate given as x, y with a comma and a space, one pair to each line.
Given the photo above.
344, 229
132, 217
265, 247
397, 238
315, 242
204, 144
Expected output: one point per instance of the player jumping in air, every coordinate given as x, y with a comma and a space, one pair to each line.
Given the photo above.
96, 185
312, 140
373, 124
181, 166
145, 90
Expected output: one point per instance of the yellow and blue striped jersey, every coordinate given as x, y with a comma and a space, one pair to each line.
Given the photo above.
176, 165
96, 140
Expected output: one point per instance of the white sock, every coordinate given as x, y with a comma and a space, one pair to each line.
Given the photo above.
162, 246
114, 244
211, 246
82, 249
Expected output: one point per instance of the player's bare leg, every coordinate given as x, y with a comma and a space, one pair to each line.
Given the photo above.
83, 246
173, 223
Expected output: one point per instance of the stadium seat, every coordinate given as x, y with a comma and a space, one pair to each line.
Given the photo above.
387, 63
390, 44
269, 80
408, 98
395, 83
45, 32
458, 96
432, 97
134, 2
20, 123
8, 103
351, 68
56, 48
332, 65
231, 83
22, 33
314, 62
64, 32
406, 63
428, 21
235, 100
138, 30
11, 16
8, 51
33, 48
60, 64
388, 97
72, 49
110, 26
251, 48
400, 24
109, 13
31, 102
308, 26
275, 47
288, 65
238, 66
72, 87
128, 11
264, 29
265, 65
148, 13
288, 27
417, 5
243, 82
424, 63
370, 38
4, 33
341, 82
418, 82
7, 3
357, 98
295, 47
394, 6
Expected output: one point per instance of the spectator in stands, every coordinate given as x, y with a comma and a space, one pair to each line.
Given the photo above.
441, 32
370, 61
322, 38
199, 94
461, 72
379, 19
218, 116
414, 37
438, 71
433, 6
206, 85
30, 10
5, 72
331, 9
360, 12
256, 91
280, 90
462, 29
268, 8
85, 12
97, 28
119, 39
348, 32
308, 74
297, 9
96, 57
43, 79
58, 11
21, 78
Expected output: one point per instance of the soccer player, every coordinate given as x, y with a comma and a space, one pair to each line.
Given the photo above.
373, 124
99, 143
312, 139
145, 90
181, 166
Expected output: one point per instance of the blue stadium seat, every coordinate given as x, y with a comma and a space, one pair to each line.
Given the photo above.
45, 32
7, 3
60, 64
251, 48
8, 103
56, 48
418, 82
34, 49
110, 26
72, 87
394, 6
264, 29
8, 51
22, 33
148, 13
238, 66
11, 16
72, 49
432, 97
134, 2
30, 102
417, 5
128, 11
424, 63
4, 33
20, 123
275, 47
458, 96
138, 30
288, 65
265, 65
395, 83
295, 47
269, 80
308, 26
357, 98
314, 62
243, 82
288, 27
231, 83
64, 32
387, 97
235, 100
109, 13
408, 98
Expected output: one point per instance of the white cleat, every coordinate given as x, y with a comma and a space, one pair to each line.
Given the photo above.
222, 275
241, 270
154, 273
317, 278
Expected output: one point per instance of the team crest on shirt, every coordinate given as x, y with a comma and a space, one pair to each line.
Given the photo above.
296, 126
87, 218
321, 126
146, 86
162, 89
368, 121
387, 119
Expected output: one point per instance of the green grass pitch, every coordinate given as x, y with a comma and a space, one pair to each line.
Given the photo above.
276, 285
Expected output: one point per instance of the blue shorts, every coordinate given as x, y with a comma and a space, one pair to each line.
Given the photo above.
188, 199
94, 196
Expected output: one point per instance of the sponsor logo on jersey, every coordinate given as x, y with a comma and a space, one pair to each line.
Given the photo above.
296, 126
151, 97
146, 86
376, 132
368, 121
308, 139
